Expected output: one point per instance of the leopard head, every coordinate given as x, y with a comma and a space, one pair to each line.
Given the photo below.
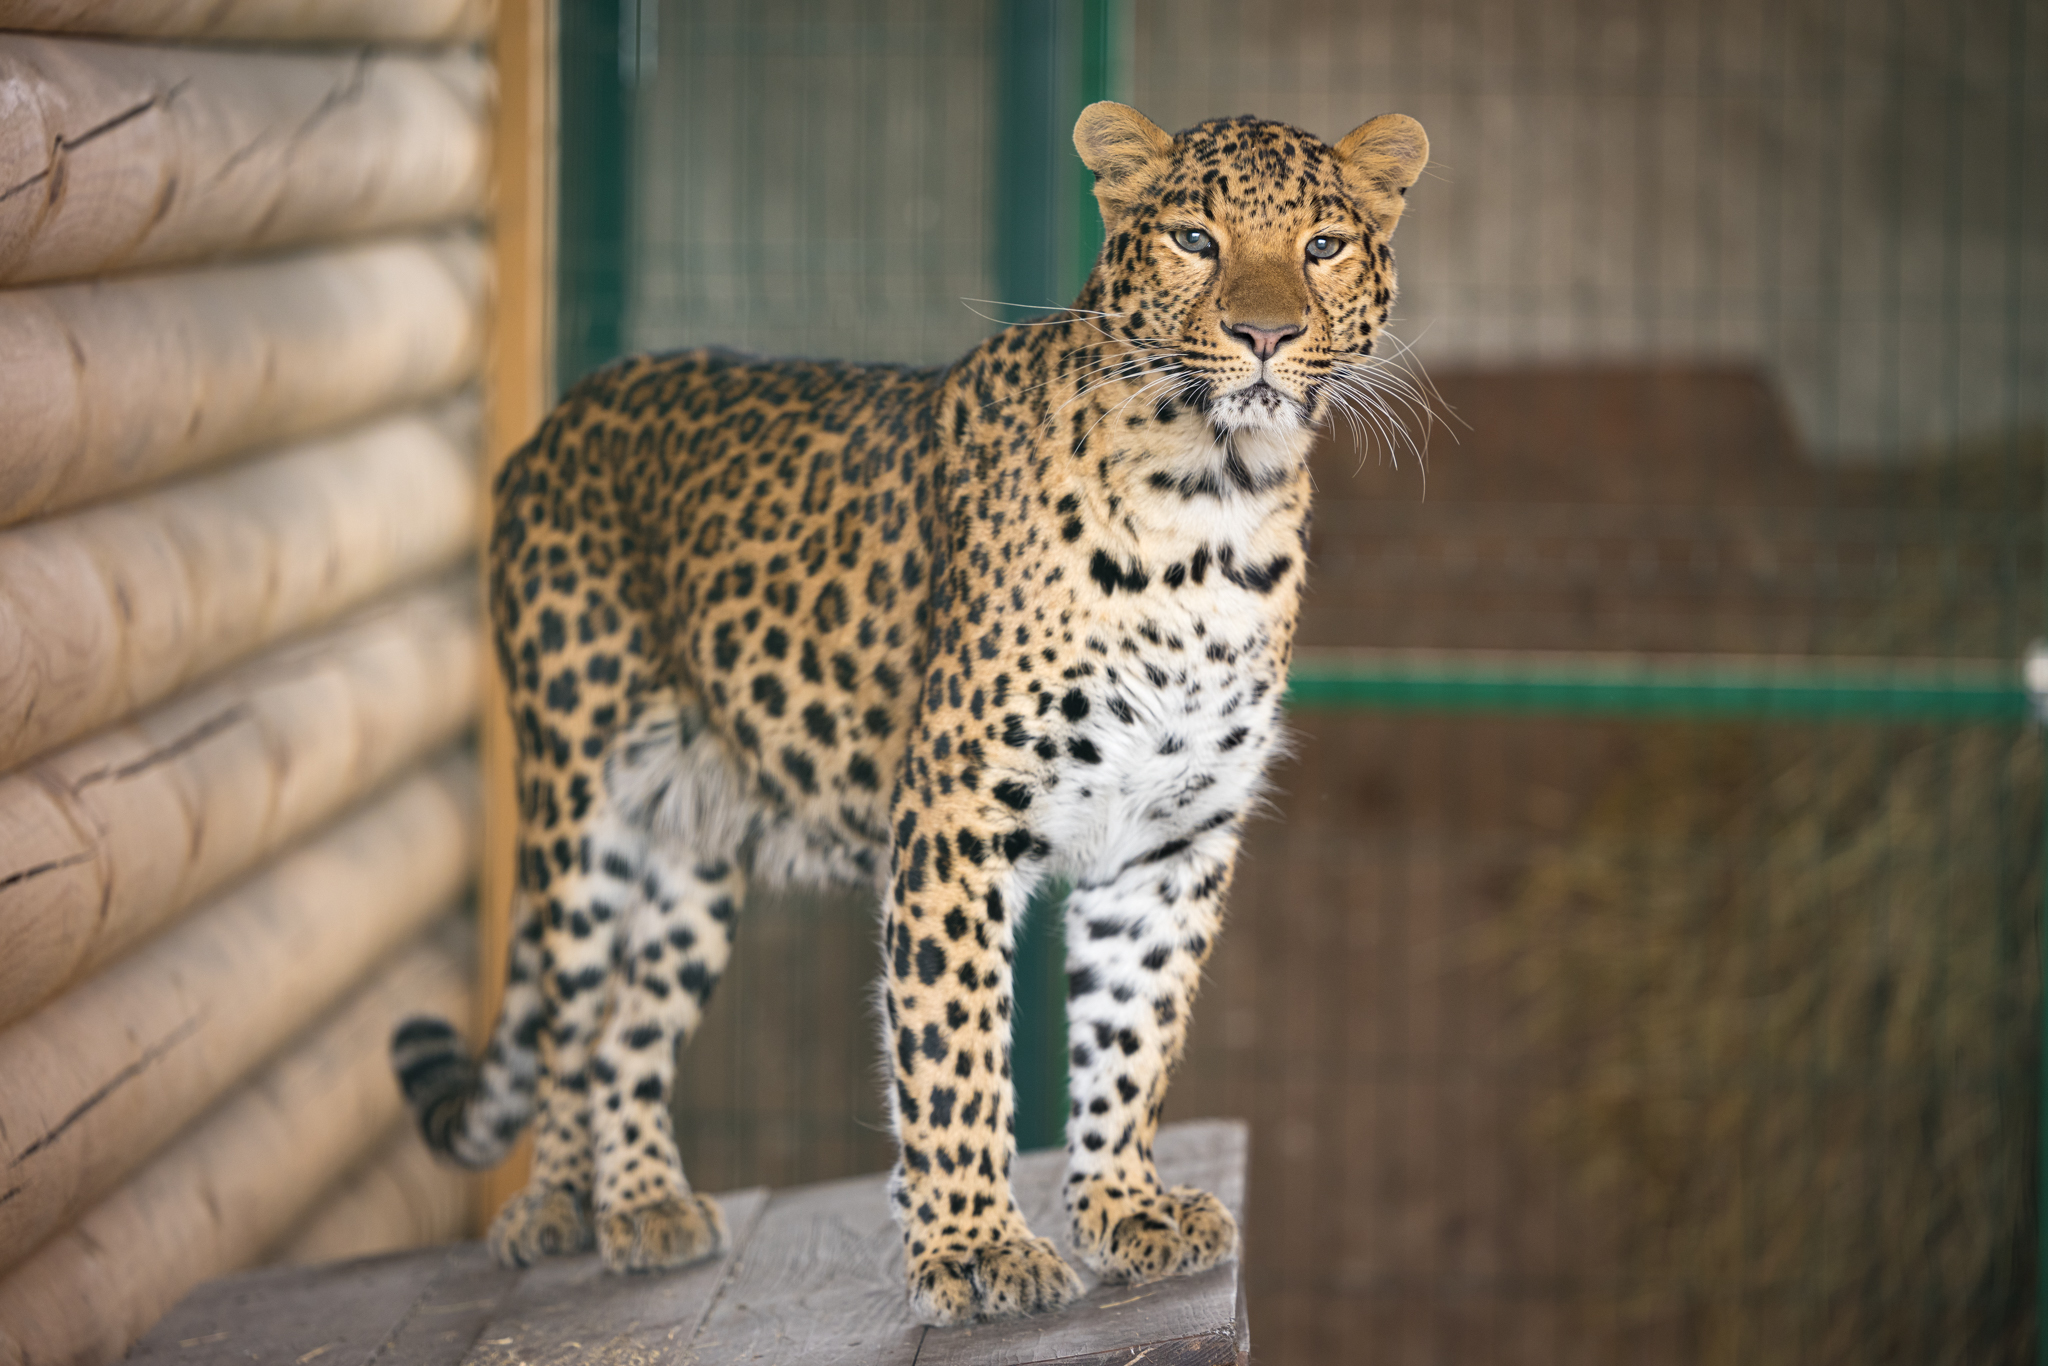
1248, 261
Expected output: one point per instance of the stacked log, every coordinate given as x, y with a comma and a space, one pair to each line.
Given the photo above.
398, 1199
149, 1044
118, 606
242, 323
226, 1190
111, 839
301, 21
114, 384
119, 156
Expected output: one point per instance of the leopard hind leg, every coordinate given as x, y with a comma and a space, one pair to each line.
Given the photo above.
674, 793
472, 1111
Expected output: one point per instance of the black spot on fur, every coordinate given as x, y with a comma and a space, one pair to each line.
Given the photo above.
769, 692
931, 961
820, 724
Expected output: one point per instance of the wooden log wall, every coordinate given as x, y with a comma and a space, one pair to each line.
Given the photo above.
252, 377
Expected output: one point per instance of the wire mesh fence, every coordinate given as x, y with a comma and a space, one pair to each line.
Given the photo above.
1586, 1005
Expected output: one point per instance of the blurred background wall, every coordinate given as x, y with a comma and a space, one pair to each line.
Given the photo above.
815, 182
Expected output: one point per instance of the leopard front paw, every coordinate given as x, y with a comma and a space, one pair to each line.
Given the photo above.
543, 1221
663, 1235
1137, 1237
1022, 1275
1208, 1230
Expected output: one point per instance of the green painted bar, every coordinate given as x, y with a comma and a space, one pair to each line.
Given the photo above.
1053, 57
1703, 689
593, 228
2040, 1025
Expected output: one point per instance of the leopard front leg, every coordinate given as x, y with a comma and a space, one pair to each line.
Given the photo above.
1135, 948
950, 923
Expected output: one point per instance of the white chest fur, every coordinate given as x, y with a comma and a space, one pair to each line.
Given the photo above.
1167, 730
1164, 727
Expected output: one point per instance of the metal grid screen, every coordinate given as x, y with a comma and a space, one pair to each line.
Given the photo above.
1640, 962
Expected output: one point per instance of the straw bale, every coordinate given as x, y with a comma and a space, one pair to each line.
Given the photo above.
118, 156
236, 1182
105, 841
1794, 972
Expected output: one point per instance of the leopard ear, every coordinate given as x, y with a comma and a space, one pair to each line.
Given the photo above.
1381, 159
1124, 149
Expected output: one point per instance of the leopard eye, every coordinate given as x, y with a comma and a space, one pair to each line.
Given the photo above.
1194, 240
1324, 247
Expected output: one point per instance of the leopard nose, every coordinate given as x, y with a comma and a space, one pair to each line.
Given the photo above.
1264, 341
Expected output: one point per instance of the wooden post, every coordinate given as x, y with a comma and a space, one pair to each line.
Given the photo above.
516, 398
814, 1274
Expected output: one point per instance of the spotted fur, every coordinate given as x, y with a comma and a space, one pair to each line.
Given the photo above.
948, 633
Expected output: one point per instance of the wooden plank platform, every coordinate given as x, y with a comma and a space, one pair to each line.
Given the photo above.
814, 1278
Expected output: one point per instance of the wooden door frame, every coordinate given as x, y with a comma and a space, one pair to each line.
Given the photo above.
518, 387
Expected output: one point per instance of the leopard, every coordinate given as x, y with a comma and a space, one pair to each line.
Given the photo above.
946, 633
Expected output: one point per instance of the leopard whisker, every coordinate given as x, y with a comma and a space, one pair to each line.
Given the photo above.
1135, 395
1094, 367
1144, 367
1405, 365
1374, 408
1066, 313
1382, 407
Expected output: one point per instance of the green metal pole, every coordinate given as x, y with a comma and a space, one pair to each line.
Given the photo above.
1053, 57
1033, 210
593, 215
1104, 56
1698, 688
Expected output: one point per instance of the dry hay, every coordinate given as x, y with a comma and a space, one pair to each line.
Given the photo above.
1792, 972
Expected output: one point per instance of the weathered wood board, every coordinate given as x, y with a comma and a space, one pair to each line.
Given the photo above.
814, 1278
430, 1308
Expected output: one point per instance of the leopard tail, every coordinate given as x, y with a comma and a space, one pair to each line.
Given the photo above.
472, 1110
